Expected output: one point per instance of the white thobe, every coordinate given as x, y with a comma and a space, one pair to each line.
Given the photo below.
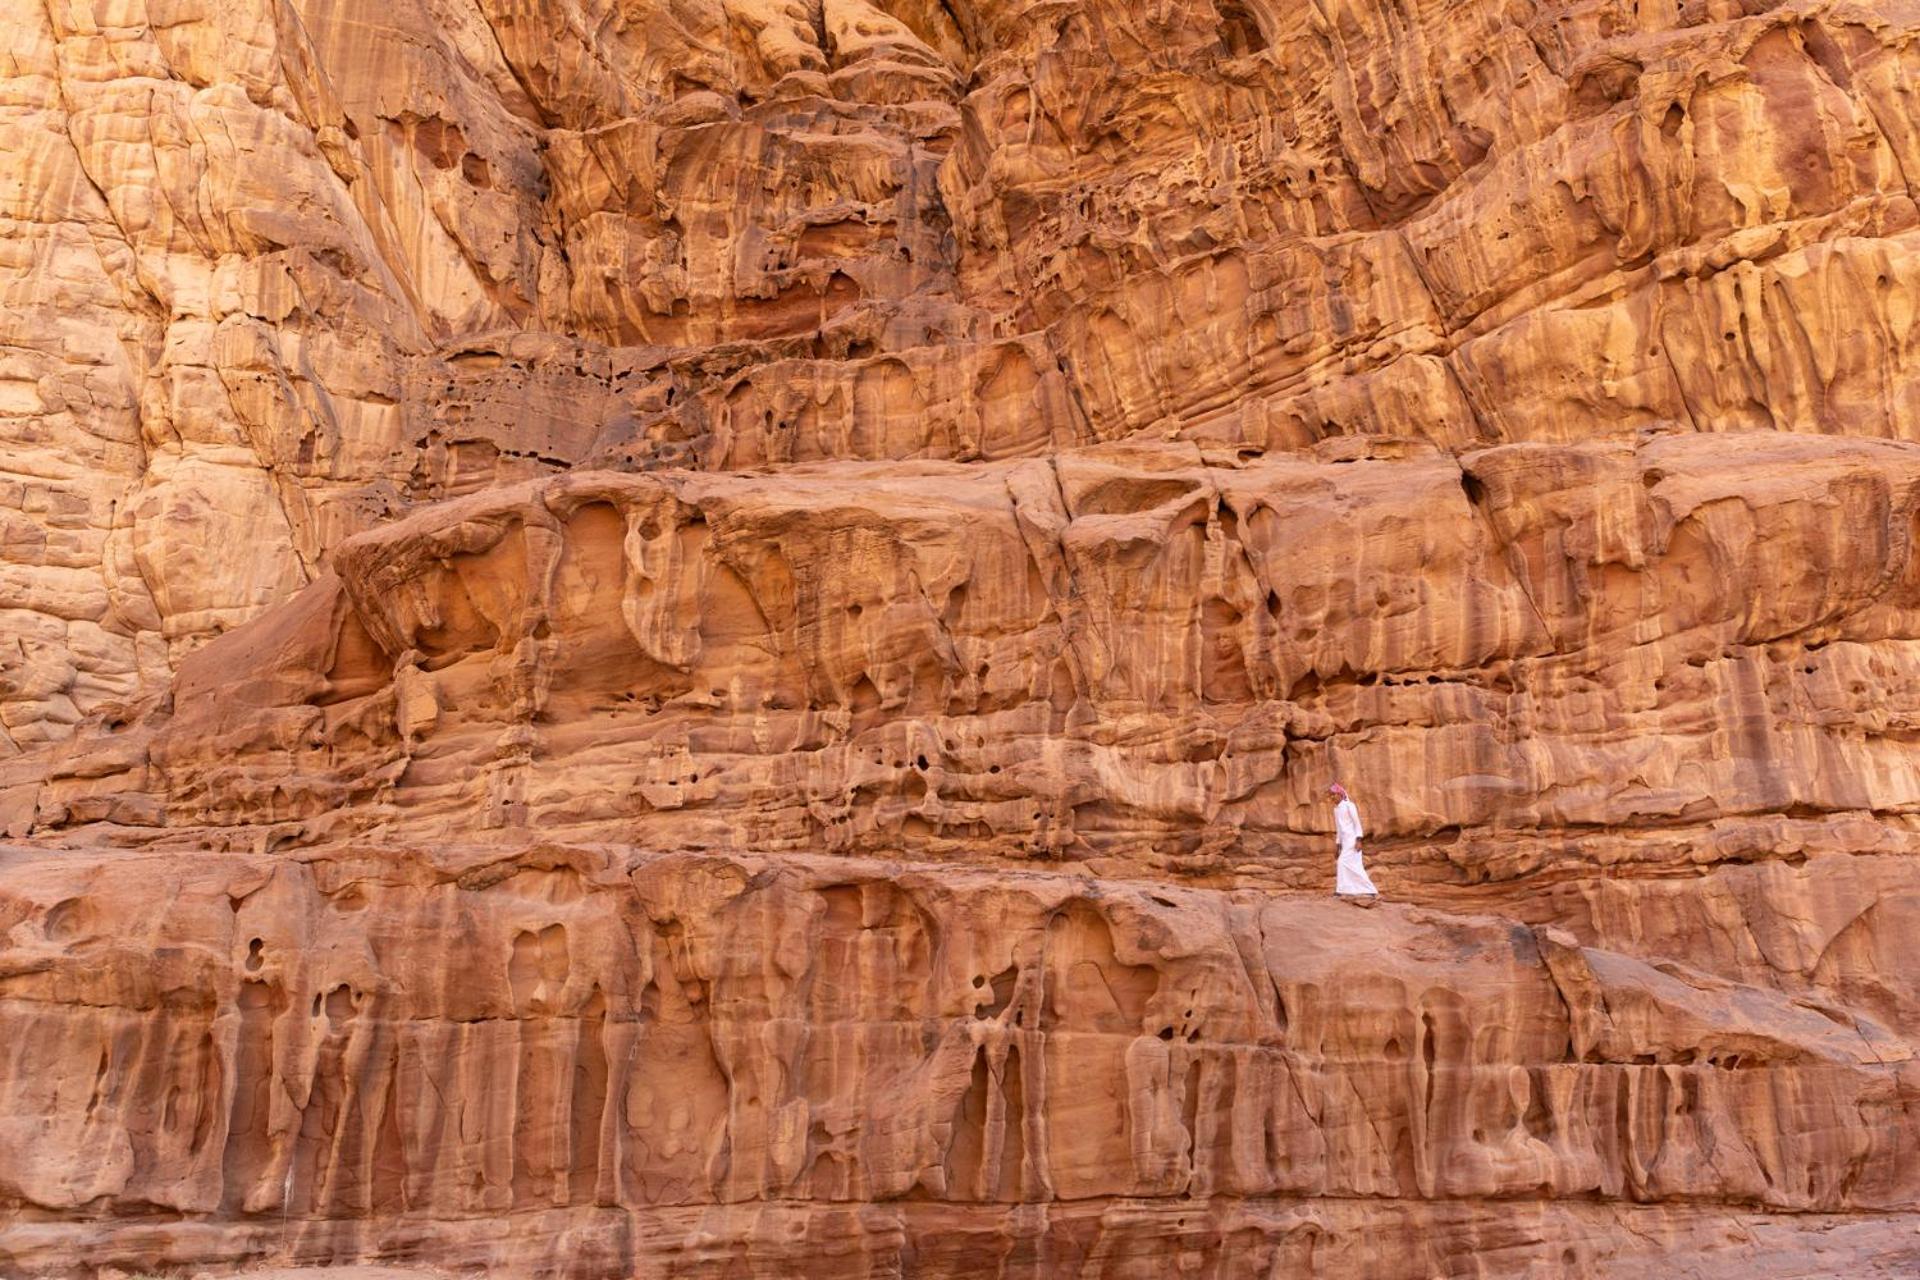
1350, 875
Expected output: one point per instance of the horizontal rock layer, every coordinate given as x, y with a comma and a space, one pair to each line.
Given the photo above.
1154, 653
358, 1051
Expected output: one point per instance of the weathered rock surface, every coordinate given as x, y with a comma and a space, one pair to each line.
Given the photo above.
704, 639
1147, 653
917, 1069
276, 273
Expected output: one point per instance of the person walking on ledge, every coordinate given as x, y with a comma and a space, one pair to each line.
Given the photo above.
1350, 880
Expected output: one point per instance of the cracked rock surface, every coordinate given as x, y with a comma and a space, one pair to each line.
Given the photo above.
704, 639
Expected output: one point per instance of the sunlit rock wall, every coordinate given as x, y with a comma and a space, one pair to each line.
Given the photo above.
856, 532
325, 1053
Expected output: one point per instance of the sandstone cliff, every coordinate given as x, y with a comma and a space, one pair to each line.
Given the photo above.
704, 639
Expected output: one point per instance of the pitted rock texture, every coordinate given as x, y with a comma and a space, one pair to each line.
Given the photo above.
277, 273
1143, 653
920, 1070
854, 533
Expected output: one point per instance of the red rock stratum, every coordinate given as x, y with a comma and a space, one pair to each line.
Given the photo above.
704, 640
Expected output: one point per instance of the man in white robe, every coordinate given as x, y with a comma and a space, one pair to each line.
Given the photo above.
1350, 879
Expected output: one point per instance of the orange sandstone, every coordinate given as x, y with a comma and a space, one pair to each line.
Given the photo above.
705, 639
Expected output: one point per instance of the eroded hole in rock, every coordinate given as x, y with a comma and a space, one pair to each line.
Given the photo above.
1538, 1117
67, 920
1003, 985
537, 968
440, 141
339, 1003
1240, 32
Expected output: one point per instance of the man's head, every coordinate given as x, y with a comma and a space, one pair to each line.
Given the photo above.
1338, 792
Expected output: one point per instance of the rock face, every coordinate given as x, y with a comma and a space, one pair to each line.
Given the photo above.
705, 639
778, 1063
